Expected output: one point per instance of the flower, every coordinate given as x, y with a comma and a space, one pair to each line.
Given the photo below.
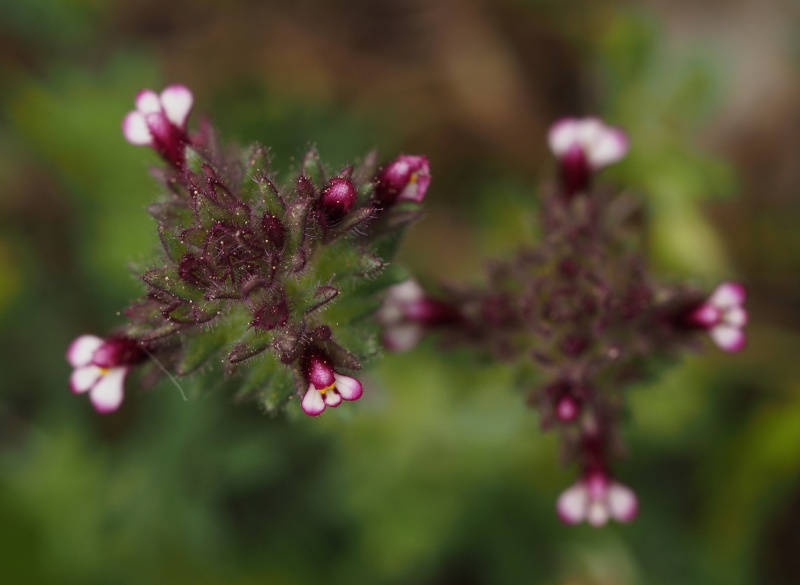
596, 498
584, 145
159, 121
407, 312
723, 315
327, 387
101, 366
406, 178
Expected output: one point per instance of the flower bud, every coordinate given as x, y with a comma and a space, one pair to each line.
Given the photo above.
338, 198
406, 178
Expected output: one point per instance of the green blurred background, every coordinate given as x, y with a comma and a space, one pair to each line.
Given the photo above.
439, 475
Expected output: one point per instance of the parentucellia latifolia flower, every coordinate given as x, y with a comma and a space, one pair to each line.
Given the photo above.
596, 498
326, 387
101, 366
159, 121
407, 313
723, 315
584, 146
406, 178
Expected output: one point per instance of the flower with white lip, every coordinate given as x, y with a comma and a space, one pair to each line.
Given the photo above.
583, 146
599, 143
159, 121
723, 315
406, 314
101, 366
327, 387
596, 498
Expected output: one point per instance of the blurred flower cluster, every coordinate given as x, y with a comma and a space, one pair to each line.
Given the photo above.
581, 311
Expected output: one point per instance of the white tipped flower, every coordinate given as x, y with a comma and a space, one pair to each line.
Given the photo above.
596, 498
599, 143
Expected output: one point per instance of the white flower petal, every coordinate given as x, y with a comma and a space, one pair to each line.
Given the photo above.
332, 398
147, 101
106, 395
177, 102
727, 338
622, 502
313, 403
81, 350
84, 378
563, 134
597, 513
609, 146
735, 317
728, 294
348, 387
403, 337
572, 502
135, 129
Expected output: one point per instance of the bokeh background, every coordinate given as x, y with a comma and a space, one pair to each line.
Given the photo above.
439, 475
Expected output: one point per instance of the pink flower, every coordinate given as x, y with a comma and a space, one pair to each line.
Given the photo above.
327, 387
583, 146
101, 366
723, 315
406, 178
406, 314
596, 498
159, 121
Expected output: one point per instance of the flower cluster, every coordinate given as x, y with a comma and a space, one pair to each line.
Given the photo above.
579, 314
261, 271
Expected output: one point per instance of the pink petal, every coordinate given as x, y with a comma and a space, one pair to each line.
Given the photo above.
147, 101
562, 135
313, 403
348, 387
622, 502
728, 294
571, 505
84, 378
135, 130
81, 350
106, 395
706, 315
177, 102
728, 338
332, 398
403, 337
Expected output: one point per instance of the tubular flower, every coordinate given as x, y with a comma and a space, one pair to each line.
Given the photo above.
596, 498
159, 121
585, 145
723, 315
101, 366
407, 313
406, 178
327, 387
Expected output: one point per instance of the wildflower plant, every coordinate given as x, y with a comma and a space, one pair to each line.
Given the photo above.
275, 278
285, 282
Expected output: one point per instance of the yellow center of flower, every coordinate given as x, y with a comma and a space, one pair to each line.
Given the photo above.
104, 371
413, 178
326, 388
